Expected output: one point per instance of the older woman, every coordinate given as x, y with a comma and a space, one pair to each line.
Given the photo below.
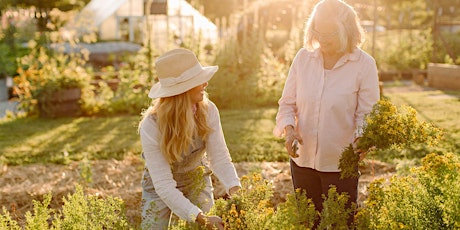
182, 142
330, 87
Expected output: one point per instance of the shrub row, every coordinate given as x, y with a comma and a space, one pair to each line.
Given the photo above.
428, 198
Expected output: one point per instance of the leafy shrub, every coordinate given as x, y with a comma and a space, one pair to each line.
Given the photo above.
426, 199
298, 212
247, 66
7, 222
250, 208
396, 52
10, 48
335, 214
79, 211
387, 127
42, 73
91, 212
135, 79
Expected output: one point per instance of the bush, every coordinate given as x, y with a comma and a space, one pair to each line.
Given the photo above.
395, 51
79, 211
43, 72
388, 127
249, 67
426, 199
10, 49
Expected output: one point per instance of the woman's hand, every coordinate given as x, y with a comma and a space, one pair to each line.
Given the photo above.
233, 190
362, 152
292, 137
210, 222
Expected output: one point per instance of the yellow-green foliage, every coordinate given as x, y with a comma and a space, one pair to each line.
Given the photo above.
250, 208
7, 222
82, 211
388, 127
79, 211
297, 212
427, 199
41, 214
43, 72
335, 213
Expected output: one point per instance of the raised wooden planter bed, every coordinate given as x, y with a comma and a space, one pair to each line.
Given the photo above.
392, 75
62, 103
444, 76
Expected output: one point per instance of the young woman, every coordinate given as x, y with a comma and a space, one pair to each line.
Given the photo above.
182, 143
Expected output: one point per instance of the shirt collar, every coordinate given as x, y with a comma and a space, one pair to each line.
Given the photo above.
353, 56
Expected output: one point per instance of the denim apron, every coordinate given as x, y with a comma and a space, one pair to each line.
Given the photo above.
193, 178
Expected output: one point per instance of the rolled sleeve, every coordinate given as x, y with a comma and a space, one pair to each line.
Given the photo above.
368, 95
218, 153
287, 103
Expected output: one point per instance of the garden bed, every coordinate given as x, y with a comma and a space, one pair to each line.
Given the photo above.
22, 184
444, 76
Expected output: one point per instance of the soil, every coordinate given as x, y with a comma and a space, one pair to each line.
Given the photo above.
22, 184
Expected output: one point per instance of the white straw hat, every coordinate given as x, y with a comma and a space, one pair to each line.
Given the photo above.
178, 71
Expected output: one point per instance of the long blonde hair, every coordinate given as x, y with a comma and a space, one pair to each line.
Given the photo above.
178, 123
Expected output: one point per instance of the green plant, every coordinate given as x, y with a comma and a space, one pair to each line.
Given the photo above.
91, 212
335, 214
250, 208
426, 199
7, 222
387, 127
79, 211
42, 73
135, 80
38, 219
298, 212
239, 59
86, 172
10, 50
54, 63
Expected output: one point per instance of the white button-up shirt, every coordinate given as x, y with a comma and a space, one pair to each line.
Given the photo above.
327, 107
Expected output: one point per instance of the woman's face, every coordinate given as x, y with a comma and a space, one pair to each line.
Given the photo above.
197, 92
327, 35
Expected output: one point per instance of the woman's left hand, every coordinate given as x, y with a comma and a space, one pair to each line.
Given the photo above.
233, 190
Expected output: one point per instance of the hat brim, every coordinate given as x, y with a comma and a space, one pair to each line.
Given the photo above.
159, 91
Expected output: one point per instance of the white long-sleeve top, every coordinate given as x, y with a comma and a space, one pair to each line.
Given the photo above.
160, 171
327, 107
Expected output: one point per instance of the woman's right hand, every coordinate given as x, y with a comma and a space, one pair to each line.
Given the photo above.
210, 222
291, 135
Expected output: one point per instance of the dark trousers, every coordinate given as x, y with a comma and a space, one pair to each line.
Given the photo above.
316, 183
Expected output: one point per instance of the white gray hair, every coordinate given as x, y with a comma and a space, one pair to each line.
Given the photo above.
350, 32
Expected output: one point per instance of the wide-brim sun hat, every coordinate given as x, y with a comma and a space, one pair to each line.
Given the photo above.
178, 71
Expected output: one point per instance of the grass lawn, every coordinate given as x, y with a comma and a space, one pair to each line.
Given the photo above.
438, 107
31, 140
36, 140
248, 133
